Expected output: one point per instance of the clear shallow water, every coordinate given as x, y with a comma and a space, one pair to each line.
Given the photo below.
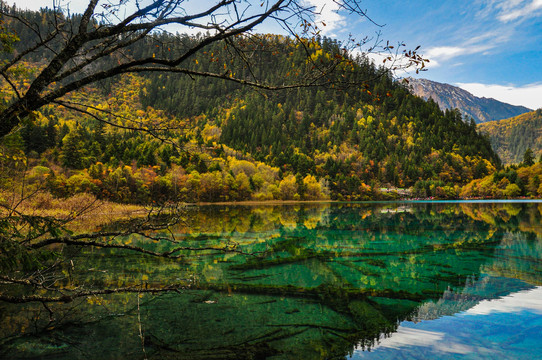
405, 280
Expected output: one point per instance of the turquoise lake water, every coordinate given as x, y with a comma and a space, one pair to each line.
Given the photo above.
411, 280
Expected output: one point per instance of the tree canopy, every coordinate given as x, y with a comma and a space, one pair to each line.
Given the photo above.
83, 49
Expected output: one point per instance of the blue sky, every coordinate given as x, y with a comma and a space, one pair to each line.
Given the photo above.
492, 48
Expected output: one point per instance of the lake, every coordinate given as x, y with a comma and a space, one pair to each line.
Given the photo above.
412, 280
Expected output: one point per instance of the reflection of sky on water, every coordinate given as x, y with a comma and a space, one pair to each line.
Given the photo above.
506, 328
528, 300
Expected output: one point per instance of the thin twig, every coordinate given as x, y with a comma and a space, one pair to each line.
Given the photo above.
140, 328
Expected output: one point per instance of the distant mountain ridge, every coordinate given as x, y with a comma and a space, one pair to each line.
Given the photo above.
449, 97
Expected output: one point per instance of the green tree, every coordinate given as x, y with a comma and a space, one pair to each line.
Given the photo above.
512, 191
288, 188
528, 157
74, 150
100, 32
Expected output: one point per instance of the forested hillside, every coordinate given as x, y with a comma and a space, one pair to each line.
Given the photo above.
373, 132
351, 131
512, 137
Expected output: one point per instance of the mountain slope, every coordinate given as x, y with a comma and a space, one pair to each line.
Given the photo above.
374, 132
511, 137
358, 131
451, 97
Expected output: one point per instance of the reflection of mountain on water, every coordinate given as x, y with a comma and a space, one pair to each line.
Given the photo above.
326, 279
518, 256
474, 292
514, 266
504, 328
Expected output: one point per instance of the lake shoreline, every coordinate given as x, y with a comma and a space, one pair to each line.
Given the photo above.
301, 202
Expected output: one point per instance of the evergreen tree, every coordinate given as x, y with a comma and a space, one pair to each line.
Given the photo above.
73, 150
528, 157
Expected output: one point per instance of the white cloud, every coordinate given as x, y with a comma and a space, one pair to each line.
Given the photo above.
480, 43
520, 10
494, 37
528, 95
445, 52
440, 54
407, 337
510, 10
527, 300
75, 6
328, 14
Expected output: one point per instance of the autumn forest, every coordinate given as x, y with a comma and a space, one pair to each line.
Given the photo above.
237, 191
150, 137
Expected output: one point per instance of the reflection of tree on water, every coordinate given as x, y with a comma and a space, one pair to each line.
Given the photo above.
476, 290
331, 278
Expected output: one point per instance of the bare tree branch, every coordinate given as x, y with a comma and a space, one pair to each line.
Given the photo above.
65, 298
86, 42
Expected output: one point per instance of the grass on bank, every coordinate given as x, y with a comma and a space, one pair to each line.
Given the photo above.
81, 211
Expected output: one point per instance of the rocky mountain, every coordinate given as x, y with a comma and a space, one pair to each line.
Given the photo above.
511, 137
450, 97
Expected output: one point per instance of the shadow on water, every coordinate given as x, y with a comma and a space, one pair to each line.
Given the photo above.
312, 281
